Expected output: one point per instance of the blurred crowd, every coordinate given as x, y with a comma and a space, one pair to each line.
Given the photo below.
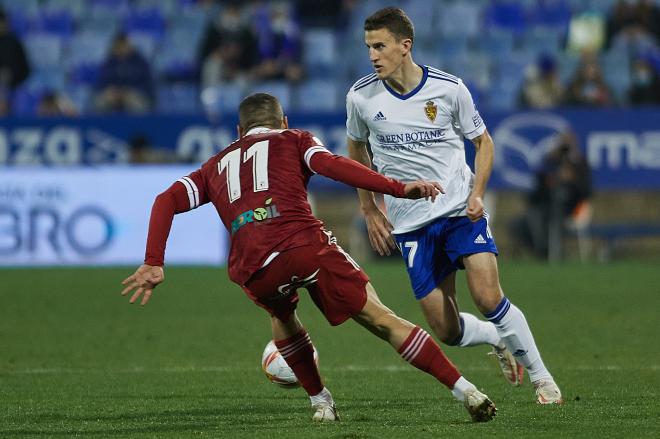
632, 28
70, 57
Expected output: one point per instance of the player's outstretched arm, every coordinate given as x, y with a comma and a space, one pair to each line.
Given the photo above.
143, 282
174, 200
359, 175
423, 189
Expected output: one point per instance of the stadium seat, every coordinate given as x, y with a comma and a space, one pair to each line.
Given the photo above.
104, 26
616, 72
502, 95
505, 14
428, 56
84, 56
46, 79
600, 6
56, 22
460, 18
25, 98
24, 101
567, 64
108, 8
280, 89
550, 14
81, 96
76, 8
450, 47
541, 40
187, 29
355, 58
178, 99
473, 67
423, 15
496, 43
144, 42
319, 51
318, 95
222, 98
167, 8
20, 22
176, 58
24, 7
511, 68
145, 21
87, 48
43, 50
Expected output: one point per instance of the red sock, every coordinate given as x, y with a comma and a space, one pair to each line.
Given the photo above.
421, 351
298, 352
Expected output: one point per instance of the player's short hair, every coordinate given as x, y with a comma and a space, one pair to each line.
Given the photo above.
260, 109
394, 20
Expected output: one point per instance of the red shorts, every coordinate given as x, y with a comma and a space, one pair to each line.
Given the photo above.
334, 281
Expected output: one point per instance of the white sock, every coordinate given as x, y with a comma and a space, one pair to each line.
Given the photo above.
516, 335
324, 397
460, 387
476, 332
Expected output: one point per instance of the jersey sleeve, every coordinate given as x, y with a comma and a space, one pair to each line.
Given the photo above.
355, 174
310, 145
466, 114
356, 129
195, 186
185, 194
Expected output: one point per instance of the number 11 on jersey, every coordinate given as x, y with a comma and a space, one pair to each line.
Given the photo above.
232, 161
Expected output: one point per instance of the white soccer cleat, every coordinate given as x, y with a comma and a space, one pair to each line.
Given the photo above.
547, 392
324, 412
480, 407
513, 371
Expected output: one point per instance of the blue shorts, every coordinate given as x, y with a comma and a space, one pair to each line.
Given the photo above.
434, 251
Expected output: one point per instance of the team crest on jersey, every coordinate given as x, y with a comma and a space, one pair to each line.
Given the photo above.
431, 110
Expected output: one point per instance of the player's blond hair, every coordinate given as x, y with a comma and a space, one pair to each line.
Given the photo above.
394, 20
260, 109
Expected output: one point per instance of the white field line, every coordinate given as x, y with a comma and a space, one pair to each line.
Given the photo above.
236, 369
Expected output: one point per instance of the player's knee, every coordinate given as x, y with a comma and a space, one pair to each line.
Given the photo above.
383, 323
486, 299
446, 333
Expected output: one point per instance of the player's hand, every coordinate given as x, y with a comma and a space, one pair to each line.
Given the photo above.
423, 189
143, 281
475, 208
380, 231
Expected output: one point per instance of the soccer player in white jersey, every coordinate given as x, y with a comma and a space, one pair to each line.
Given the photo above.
415, 118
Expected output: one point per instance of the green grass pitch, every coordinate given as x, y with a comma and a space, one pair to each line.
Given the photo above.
76, 360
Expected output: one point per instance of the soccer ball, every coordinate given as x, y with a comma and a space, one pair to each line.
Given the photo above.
276, 369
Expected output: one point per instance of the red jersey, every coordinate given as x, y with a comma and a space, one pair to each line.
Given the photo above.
258, 186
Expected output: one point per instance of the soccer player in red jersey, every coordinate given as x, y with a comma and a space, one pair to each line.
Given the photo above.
258, 185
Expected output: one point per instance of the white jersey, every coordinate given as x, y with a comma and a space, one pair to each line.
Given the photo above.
417, 136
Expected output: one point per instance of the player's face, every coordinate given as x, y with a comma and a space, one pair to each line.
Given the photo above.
385, 52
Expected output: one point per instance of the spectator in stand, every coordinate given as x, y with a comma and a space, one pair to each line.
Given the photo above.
634, 25
228, 51
125, 82
588, 88
142, 151
14, 67
542, 88
650, 12
280, 46
56, 104
563, 184
645, 89
4, 102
